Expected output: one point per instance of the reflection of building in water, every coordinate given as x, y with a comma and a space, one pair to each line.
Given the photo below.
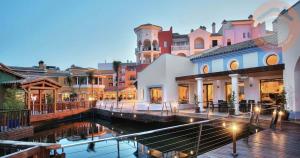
74, 131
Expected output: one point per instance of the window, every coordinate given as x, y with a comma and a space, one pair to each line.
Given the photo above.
183, 93
228, 91
234, 65
205, 69
165, 44
214, 43
228, 42
270, 90
249, 35
199, 43
155, 95
244, 35
272, 59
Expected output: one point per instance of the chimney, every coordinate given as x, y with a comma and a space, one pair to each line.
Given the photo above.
250, 17
213, 26
42, 65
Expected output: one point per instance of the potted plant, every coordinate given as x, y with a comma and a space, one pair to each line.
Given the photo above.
197, 108
231, 104
281, 100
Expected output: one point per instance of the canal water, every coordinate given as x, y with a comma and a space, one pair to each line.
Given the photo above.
182, 142
83, 130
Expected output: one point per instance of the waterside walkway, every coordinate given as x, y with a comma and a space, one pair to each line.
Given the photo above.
284, 142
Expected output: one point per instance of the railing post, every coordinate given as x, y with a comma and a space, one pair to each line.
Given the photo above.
199, 138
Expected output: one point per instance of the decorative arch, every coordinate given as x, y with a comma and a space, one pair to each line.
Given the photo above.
147, 44
199, 43
181, 54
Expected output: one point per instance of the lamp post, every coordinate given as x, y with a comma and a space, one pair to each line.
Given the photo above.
234, 130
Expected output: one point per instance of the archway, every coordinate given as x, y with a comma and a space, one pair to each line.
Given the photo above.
181, 54
297, 83
147, 45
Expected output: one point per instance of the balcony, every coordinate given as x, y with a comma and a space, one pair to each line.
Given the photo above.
89, 86
184, 47
137, 50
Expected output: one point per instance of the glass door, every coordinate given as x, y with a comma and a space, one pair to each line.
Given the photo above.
207, 94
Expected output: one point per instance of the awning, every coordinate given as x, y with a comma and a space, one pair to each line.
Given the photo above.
239, 71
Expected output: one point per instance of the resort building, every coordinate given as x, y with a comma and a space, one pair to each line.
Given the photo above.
152, 41
287, 27
126, 83
76, 82
252, 69
255, 65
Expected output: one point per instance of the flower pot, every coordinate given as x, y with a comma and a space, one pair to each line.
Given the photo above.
197, 109
231, 111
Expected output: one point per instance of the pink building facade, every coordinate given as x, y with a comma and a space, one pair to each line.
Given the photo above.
152, 41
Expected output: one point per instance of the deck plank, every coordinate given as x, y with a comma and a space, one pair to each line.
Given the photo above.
268, 143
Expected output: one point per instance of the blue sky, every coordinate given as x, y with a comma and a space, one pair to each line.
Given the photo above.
86, 32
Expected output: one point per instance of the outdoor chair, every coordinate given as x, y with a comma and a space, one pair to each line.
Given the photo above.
243, 106
250, 102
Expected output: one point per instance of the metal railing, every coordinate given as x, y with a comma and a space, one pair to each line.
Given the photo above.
131, 107
189, 140
11, 119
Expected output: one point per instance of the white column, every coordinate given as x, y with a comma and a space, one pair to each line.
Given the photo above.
151, 57
87, 80
235, 89
142, 58
200, 92
77, 81
98, 80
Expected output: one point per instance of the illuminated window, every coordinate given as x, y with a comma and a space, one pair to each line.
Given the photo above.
272, 59
205, 69
156, 95
234, 65
270, 90
183, 92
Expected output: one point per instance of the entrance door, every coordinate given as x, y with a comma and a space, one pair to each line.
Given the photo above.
207, 94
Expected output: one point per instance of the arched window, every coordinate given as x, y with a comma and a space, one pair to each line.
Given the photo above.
181, 54
234, 65
147, 45
205, 69
155, 45
272, 59
199, 43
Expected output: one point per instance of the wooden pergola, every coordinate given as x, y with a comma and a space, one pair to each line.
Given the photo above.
39, 84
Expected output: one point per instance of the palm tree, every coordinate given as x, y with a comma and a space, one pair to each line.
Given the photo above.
70, 83
91, 75
80, 82
116, 67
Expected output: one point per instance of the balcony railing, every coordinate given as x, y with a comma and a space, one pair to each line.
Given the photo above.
146, 49
186, 47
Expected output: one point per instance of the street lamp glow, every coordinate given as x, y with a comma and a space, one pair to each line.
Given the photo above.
280, 113
234, 128
192, 152
224, 124
191, 120
257, 109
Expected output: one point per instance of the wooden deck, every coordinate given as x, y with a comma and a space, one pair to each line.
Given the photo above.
283, 143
